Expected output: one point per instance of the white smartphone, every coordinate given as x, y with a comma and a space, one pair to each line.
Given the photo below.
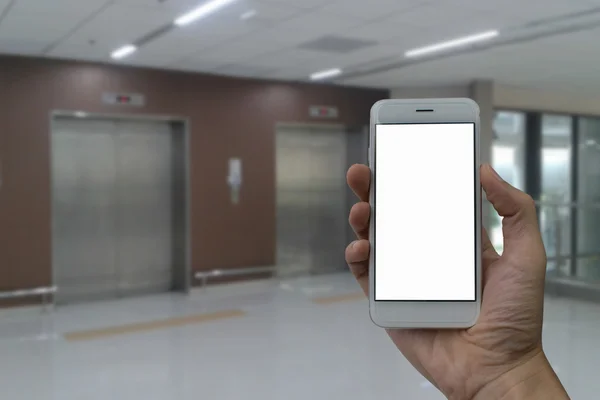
425, 227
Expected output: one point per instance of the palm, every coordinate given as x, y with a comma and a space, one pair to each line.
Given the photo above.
442, 355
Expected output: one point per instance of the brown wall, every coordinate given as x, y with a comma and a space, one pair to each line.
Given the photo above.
229, 118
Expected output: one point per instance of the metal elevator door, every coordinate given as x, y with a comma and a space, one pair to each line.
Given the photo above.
112, 211
311, 200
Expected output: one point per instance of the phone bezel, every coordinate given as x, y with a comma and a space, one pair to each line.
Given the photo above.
426, 314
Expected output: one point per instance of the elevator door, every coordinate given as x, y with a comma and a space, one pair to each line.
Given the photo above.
311, 200
112, 211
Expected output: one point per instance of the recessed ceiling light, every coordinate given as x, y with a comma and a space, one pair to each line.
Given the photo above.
325, 74
123, 52
201, 11
248, 15
450, 44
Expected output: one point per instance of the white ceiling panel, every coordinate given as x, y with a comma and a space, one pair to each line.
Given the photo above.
558, 62
80, 51
432, 15
266, 40
197, 65
124, 23
306, 4
320, 23
32, 27
371, 54
271, 11
245, 70
22, 47
289, 58
171, 6
268, 45
3, 4
172, 48
71, 10
386, 31
370, 10
234, 51
529, 10
218, 27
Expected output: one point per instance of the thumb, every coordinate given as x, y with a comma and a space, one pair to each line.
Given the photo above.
519, 225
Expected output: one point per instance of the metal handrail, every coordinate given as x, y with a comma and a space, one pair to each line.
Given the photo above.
568, 204
45, 292
205, 275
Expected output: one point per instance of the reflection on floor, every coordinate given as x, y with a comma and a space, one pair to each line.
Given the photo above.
306, 338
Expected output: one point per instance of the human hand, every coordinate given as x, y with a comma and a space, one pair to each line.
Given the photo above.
501, 356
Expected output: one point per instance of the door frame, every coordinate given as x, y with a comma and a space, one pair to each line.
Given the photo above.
321, 125
131, 117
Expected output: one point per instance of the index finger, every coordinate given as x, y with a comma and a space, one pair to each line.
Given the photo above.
359, 180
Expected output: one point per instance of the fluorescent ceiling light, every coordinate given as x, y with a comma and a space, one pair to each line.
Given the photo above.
201, 11
328, 73
450, 44
80, 114
123, 52
248, 15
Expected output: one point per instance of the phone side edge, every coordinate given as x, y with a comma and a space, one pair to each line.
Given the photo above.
371, 160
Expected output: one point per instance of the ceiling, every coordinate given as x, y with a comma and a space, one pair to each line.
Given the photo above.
273, 43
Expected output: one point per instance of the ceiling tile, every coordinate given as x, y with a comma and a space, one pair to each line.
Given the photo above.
267, 45
3, 5
267, 40
529, 10
172, 47
123, 24
22, 47
196, 65
319, 24
245, 70
430, 15
31, 27
288, 58
271, 11
233, 51
72, 10
369, 10
386, 31
306, 4
177, 6
77, 47
220, 26
371, 55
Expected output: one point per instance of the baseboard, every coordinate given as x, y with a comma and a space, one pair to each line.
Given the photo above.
19, 311
241, 277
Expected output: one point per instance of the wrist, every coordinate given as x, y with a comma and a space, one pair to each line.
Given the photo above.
532, 380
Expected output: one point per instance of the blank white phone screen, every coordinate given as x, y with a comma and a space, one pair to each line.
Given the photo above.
425, 212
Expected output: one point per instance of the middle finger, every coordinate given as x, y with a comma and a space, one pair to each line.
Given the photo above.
359, 219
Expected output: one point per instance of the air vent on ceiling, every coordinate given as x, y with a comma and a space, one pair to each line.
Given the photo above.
337, 44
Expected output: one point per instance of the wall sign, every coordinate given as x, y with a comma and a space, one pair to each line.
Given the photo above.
323, 112
234, 179
124, 99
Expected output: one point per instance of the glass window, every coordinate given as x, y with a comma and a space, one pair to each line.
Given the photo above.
588, 191
508, 149
555, 210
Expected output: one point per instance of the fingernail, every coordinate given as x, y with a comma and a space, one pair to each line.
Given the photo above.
495, 173
353, 244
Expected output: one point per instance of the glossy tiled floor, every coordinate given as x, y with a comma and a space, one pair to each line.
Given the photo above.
283, 346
